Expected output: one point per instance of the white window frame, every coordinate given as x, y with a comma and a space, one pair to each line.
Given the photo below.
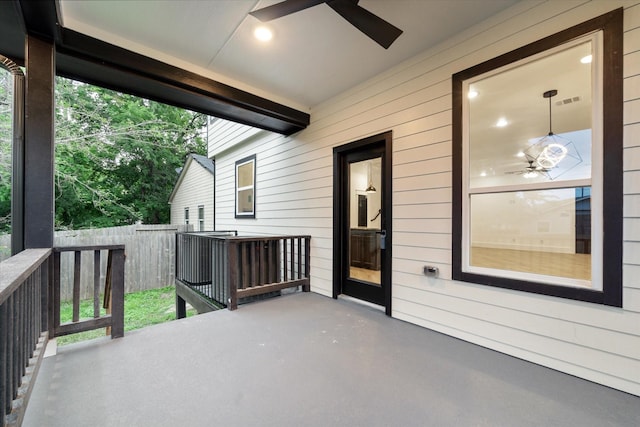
239, 164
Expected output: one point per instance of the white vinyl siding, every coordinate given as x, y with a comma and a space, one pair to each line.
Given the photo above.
223, 135
195, 189
413, 99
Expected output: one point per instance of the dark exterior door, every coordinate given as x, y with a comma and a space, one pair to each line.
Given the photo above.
362, 218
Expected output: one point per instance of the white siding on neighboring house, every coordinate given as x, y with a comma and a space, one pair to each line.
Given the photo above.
194, 188
294, 195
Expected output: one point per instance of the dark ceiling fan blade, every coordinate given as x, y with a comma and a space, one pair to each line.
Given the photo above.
284, 8
373, 26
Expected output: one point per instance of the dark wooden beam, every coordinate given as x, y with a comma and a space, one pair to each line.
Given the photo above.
38, 143
94, 61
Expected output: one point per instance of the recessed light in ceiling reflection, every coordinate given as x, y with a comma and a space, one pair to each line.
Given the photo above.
586, 59
520, 154
502, 122
472, 94
263, 34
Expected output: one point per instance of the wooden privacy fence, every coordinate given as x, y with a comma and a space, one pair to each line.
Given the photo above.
221, 269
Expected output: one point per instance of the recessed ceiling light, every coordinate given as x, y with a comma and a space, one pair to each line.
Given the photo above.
502, 122
483, 173
472, 94
520, 154
263, 34
586, 59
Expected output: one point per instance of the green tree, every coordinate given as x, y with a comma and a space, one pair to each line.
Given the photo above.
6, 90
117, 155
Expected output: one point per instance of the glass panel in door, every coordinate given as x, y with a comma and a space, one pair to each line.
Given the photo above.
364, 221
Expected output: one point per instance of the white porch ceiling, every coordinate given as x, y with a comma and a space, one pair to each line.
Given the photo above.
315, 54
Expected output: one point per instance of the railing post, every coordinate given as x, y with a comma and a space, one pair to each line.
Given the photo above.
117, 294
54, 307
96, 284
233, 273
4, 363
307, 263
77, 265
45, 282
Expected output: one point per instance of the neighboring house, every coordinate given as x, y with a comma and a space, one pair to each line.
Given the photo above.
192, 197
298, 186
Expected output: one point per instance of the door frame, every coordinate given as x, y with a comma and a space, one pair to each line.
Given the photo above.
340, 181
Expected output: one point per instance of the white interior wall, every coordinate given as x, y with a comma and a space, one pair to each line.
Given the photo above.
525, 221
360, 181
413, 100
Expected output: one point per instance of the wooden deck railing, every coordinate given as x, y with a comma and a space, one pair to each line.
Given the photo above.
113, 292
220, 269
23, 329
30, 315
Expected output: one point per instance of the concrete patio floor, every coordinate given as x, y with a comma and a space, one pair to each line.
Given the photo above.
307, 360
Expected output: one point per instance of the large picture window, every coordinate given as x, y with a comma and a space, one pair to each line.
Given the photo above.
245, 187
538, 169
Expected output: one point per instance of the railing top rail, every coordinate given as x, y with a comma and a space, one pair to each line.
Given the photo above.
262, 238
18, 268
87, 248
222, 233
222, 236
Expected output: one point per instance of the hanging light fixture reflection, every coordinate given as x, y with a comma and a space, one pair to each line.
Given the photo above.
548, 152
370, 188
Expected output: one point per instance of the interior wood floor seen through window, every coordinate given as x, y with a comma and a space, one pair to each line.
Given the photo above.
577, 266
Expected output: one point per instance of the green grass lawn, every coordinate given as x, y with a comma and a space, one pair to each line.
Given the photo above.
141, 309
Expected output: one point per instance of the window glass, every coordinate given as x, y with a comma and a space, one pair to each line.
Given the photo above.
245, 187
537, 138
533, 133
529, 150
201, 218
538, 232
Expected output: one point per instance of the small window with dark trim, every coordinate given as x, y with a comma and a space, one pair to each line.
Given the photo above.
186, 216
246, 188
537, 202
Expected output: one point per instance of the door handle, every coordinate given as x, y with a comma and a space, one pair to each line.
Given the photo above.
383, 238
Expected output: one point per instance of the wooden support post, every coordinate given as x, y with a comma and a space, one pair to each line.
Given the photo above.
181, 307
117, 294
38, 169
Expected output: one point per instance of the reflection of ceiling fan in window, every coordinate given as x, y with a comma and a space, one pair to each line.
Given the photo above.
531, 171
548, 152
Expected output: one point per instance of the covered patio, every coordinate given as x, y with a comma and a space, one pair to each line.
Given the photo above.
304, 359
